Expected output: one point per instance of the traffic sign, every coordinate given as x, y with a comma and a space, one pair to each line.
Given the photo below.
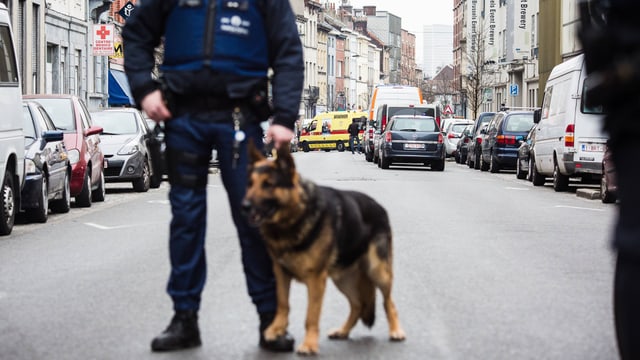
514, 90
126, 10
447, 110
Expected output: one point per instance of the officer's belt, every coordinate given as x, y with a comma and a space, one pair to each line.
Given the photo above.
203, 103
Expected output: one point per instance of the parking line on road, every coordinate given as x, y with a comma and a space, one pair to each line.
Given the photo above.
517, 188
103, 227
578, 208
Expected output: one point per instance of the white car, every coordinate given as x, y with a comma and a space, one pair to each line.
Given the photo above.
453, 134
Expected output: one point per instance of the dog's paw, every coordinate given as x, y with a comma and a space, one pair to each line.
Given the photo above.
307, 349
338, 334
397, 335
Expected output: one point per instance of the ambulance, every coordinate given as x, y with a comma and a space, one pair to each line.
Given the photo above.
328, 130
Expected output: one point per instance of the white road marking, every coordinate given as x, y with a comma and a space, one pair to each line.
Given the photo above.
103, 227
578, 208
517, 188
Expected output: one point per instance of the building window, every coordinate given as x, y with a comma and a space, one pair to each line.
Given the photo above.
64, 85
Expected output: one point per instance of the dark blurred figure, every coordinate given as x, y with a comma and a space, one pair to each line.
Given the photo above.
610, 36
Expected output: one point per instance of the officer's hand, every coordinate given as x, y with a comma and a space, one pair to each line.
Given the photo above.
155, 108
278, 134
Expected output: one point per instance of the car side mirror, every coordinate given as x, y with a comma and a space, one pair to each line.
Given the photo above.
537, 114
93, 130
483, 131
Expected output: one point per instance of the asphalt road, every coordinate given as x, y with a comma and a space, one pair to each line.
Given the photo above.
486, 267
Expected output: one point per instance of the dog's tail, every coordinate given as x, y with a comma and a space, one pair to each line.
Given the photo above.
368, 300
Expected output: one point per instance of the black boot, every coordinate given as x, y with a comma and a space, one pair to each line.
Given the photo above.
283, 343
182, 333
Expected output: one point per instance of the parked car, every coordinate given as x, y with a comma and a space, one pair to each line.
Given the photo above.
608, 182
129, 148
473, 160
453, 134
524, 155
462, 148
82, 140
412, 139
571, 138
47, 168
500, 146
11, 139
159, 164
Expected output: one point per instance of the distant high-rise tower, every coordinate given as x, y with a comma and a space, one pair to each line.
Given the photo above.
437, 50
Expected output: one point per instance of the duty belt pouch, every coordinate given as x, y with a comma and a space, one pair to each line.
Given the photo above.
255, 91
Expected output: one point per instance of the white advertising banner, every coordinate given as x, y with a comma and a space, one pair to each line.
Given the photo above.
103, 40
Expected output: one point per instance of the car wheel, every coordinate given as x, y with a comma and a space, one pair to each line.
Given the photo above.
305, 146
375, 158
560, 182
536, 178
143, 183
606, 196
384, 162
340, 146
519, 173
368, 155
493, 165
438, 165
84, 198
483, 165
63, 205
99, 193
156, 178
40, 213
7, 204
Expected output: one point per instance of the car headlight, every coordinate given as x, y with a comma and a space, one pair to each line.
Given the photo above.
73, 155
129, 149
30, 166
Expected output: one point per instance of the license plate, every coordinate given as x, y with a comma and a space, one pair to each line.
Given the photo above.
593, 147
412, 146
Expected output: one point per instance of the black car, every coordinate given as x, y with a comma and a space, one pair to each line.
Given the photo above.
462, 148
524, 155
503, 135
47, 167
129, 148
412, 139
474, 148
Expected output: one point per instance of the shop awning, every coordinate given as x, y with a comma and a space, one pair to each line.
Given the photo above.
119, 91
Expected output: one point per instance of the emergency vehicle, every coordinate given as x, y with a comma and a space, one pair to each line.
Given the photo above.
328, 130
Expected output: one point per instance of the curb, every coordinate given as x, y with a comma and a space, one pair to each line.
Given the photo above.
590, 194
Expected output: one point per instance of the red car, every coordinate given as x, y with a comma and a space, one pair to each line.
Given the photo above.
82, 139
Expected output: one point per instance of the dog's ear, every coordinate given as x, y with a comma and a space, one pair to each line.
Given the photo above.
254, 154
285, 160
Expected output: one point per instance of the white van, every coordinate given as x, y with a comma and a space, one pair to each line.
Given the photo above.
390, 95
11, 135
570, 139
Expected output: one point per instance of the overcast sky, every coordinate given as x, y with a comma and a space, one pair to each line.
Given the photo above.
414, 13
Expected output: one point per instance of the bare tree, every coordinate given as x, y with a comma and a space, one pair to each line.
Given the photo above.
478, 75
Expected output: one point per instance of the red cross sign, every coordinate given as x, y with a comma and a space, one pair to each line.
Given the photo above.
103, 32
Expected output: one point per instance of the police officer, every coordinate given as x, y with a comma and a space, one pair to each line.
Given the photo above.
213, 92
610, 36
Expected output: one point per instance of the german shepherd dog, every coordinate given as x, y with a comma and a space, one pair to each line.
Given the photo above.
313, 232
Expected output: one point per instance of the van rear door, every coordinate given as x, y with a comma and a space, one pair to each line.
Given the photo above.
589, 135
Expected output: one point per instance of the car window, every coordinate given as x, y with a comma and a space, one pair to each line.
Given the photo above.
457, 128
519, 122
61, 113
414, 124
116, 123
46, 120
84, 115
27, 124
